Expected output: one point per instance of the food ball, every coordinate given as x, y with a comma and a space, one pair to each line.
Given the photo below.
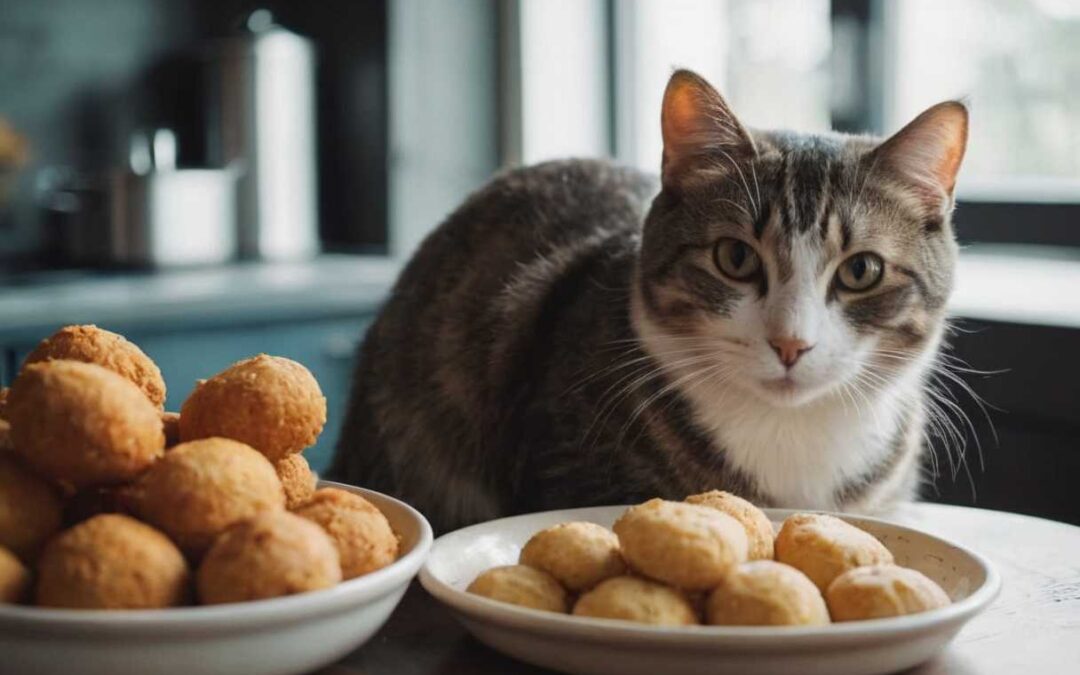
112, 562
823, 547
200, 488
170, 423
30, 510
82, 424
580, 555
521, 585
297, 479
272, 554
91, 344
634, 599
759, 530
14, 578
361, 533
766, 593
684, 545
881, 591
271, 403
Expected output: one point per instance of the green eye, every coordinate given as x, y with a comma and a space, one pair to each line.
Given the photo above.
736, 259
860, 272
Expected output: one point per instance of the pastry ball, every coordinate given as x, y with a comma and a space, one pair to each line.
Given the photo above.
272, 554
91, 344
580, 555
766, 593
170, 423
112, 562
521, 585
200, 488
824, 547
30, 509
634, 599
881, 591
14, 578
759, 530
297, 479
81, 424
272, 404
684, 545
358, 529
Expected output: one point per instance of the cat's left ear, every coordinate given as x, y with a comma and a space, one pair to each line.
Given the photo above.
927, 153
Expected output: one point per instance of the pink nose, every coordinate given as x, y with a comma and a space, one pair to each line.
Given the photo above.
789, 349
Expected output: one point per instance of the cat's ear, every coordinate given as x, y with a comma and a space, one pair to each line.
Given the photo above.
927, 153
697, 123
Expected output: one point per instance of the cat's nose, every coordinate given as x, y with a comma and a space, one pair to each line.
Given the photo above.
789, 349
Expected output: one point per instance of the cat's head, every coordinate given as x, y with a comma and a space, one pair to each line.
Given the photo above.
795, 265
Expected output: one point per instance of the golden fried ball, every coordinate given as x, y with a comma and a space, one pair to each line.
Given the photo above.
14, 577
766, 593
112, 562
823, 547
271, 403
82, 424
635, 599
580, 555
759, 530
881, 591
361, 533
521, 585
684, 545
91, 344
297, 479
170, 423
30, 509
272, 554
200, 488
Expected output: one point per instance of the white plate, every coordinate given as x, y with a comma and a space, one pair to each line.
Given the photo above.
282, 636
599, 646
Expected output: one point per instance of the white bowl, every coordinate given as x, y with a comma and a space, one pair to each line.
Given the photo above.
282, 636
598, 646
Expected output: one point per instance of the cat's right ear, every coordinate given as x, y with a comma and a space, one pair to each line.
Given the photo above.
697, 125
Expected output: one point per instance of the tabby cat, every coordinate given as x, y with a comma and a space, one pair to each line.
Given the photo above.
761, 320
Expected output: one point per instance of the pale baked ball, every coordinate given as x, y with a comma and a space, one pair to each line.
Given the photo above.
297, 479
14, 578
580, 555
272, 554
823, 547
271, 403
759, 530
91, 344
30, 509
112, 562
361, 533
198, 489
636, 599
521, 585
686, 545
766, 593
881, 591
82, 424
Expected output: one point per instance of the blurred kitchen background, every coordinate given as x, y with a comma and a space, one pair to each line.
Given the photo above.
217, 178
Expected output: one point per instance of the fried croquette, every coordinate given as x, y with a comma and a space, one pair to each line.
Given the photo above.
766, 593
823, 547
759, 530
198, 489
30, 509
271, 403
14, 578
82, 424
580, 555
881, 591
91, 344
640, 600
297, 479
523, 586
360, 532
112, 562
272, 554
684, 545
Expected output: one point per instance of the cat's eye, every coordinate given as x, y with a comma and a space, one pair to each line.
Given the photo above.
860, 272
736, 259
